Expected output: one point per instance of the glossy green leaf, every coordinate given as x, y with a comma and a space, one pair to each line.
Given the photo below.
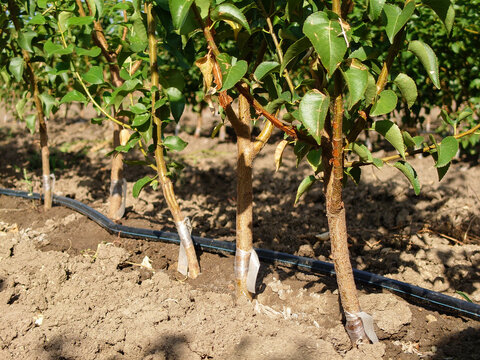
354, 173
397, 18
375, 8
356, 77
265, 68
407, 87
391, 132
465, 114
94, 51
408, 140
326, 36
94, 75
386, 102
378, 163
174, 143
140, 184
20, 107
427, 58
370, 90
179, 10
30, 121
138, 108
49, 102
25, 40
37, 20
304, 186
410, 174
444, 10
73, 96
16, 67
294, 50
138, 39
177, 102
234, 74
314, 158
362, 151
79, 21
62, 20
51, 49
228, 11
140, 119
447, 150
313, 110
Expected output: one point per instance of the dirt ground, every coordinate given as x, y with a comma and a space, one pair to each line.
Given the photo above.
70, 290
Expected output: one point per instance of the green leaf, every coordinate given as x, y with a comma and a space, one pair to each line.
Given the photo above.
50, 48
16, 67
356, 77
385, 104
397, 18
138, 40
294, 50
265, 68
447, 149
378, 163
304, 186
177, 102
314, 158
94, 75
300, 149
62, 20
326, 36
72, 96
442, 171
362, 151
407, 87
94, 51
312, 110
444, 10
140, 184
375, 8
174, 143
391, 133
427, 58
410, 173
79, 21
138, 108
140, 119
37, 20
408, 140
99, 5
25, 40
20, 107
30, 121
49, 102
179, 10
464, 114
354, 173
234, 74
227, 11
371, 90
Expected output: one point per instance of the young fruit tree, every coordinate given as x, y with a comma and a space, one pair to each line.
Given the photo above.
334, 83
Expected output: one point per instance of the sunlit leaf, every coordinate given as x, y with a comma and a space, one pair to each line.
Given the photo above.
174, 143
73, 96
410, 174
325, 34
444, 10
375, 8
294, 50
179, 10
227, 11
140, 184
427, 58
313, 110
392, 134
265, 68
304, 186
407, 87
447, 150
386, 102
16, 67
94, 75
356, 77
397, 18
234, 74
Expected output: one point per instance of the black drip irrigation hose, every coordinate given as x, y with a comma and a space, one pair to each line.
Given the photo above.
307, 264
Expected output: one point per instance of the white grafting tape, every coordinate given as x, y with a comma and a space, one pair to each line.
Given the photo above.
49, 184
247, 265
367, 321
184, 229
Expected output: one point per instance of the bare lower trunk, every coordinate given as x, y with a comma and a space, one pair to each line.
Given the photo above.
116, 201
333, 160
198, 127
182, 223
244, 229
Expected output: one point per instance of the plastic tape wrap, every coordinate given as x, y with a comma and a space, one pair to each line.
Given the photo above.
49, 184
184, 229
367, 321
247, 265
119, 187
